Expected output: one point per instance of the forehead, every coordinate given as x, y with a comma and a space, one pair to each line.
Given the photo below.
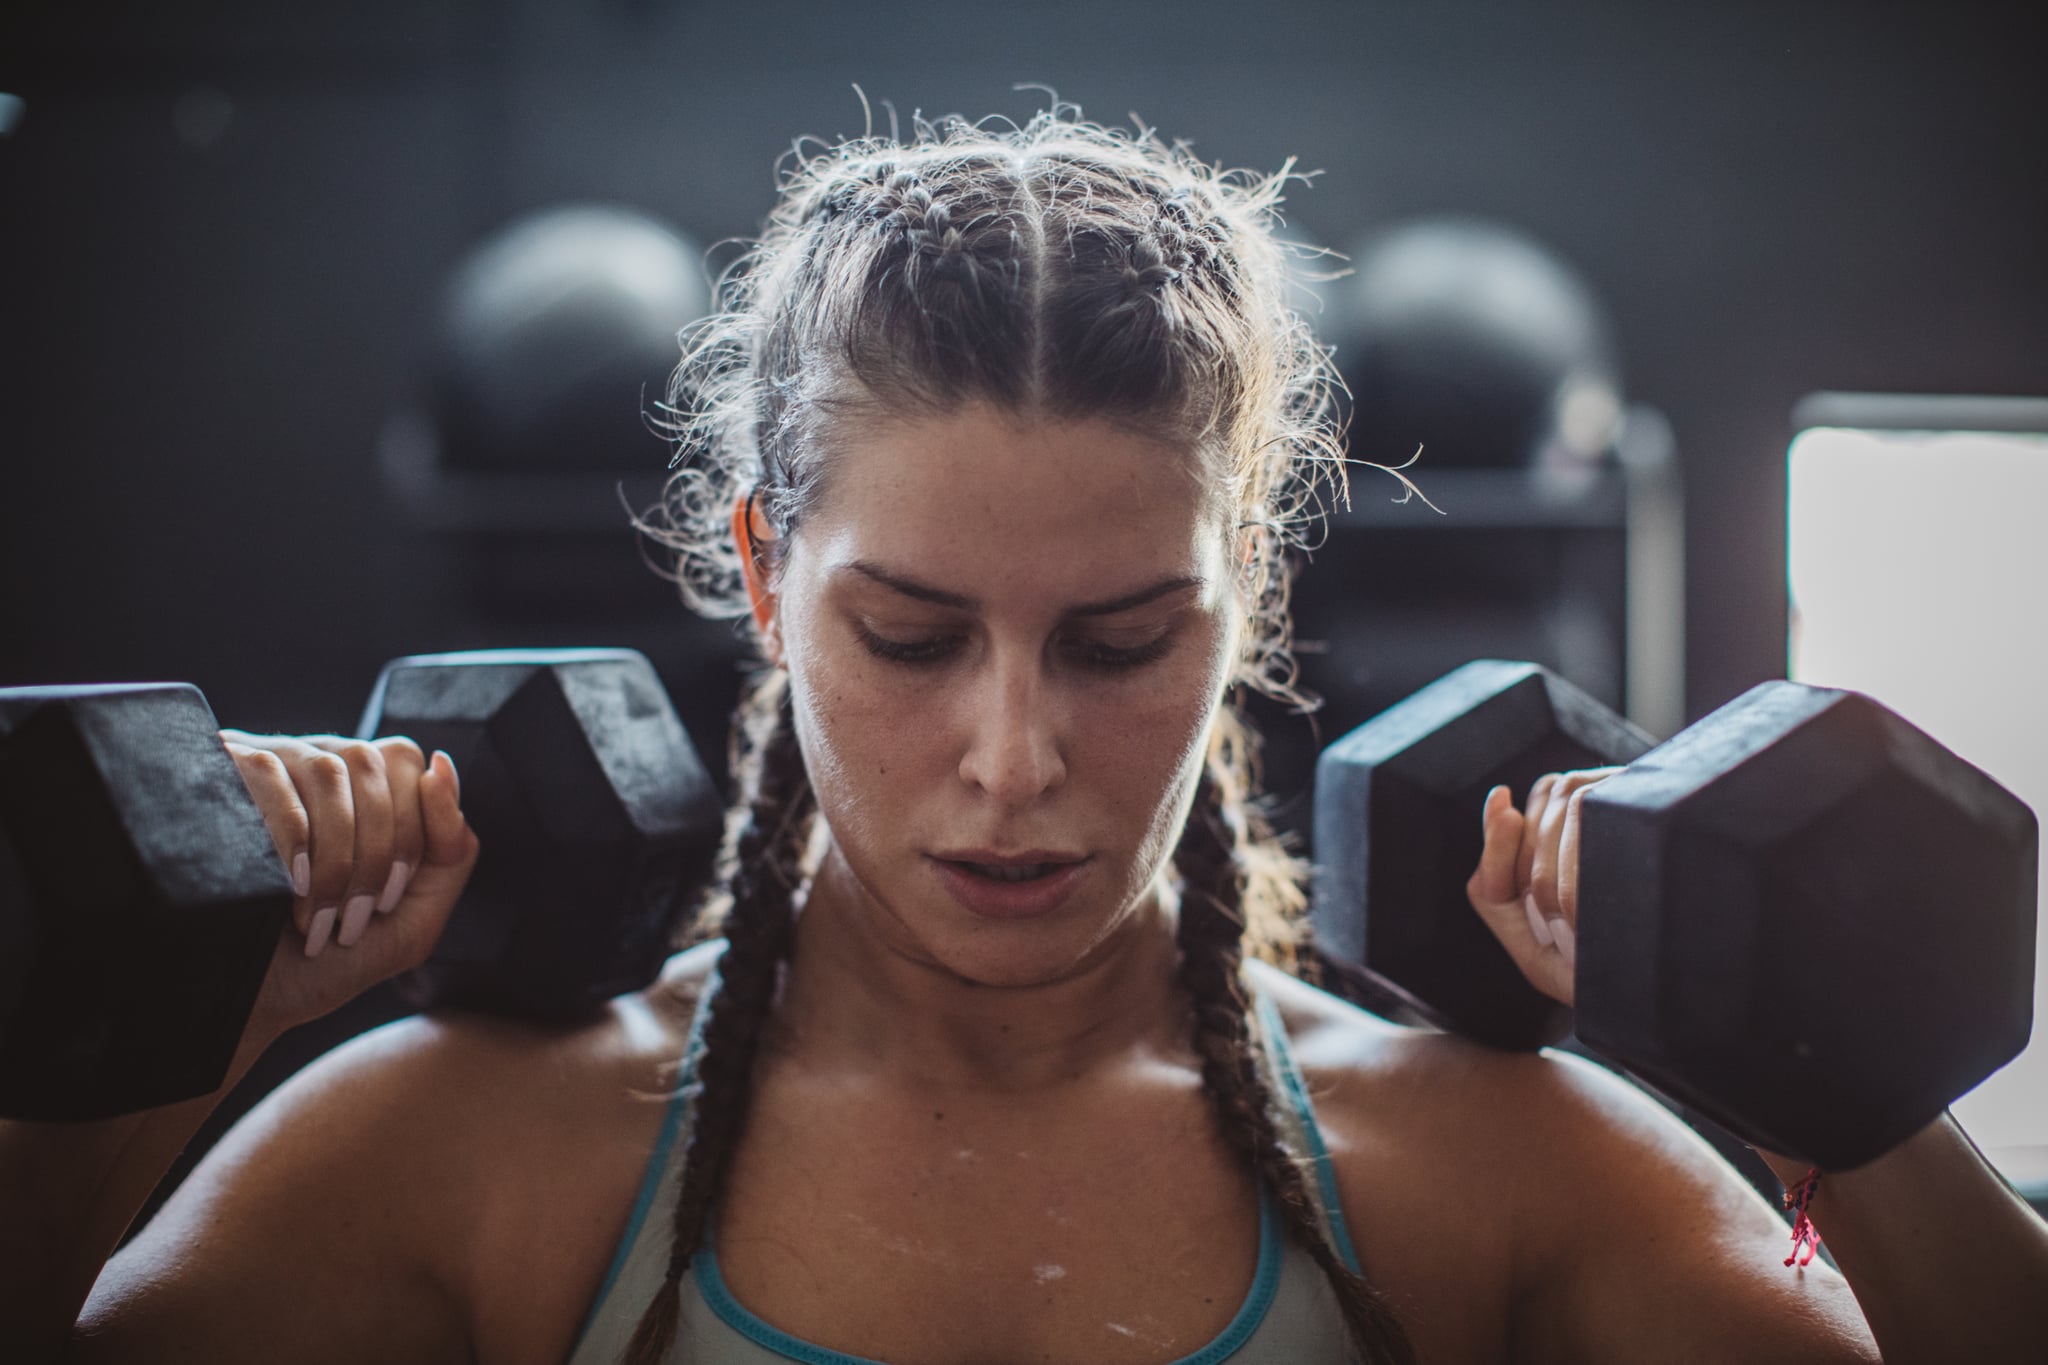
980, 500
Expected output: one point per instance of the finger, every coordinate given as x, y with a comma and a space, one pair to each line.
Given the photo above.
1500, 902
324, 785
1568, 858
1555, 884
370, 868
1549, 836
403, 767
1532, 820
284, 815
450, 841
450, 854
1502, 823
1492, 888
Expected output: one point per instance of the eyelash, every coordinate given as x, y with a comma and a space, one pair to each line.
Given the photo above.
920, 653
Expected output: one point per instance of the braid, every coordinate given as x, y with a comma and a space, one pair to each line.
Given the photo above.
1211, 935
762, 872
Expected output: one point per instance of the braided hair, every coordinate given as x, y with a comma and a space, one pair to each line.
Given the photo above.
1211, 860
1060, 270
761, 864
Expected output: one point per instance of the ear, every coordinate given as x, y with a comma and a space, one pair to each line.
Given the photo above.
752, 564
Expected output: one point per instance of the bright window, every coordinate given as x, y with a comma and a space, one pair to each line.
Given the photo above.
1918, 565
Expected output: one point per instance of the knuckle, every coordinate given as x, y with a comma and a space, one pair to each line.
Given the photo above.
360, 755
402, 750
293, 826
327, 770
262, 763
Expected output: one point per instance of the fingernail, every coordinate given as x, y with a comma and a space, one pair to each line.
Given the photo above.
302, 873
443, 755
1567, 942
323, 925
1536, 924
355, 919
394, 887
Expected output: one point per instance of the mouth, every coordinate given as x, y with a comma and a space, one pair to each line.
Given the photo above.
995, 886
1009, 872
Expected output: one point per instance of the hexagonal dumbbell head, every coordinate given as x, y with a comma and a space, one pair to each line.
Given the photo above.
1808, 919
1397, 835
141, 900
598, 823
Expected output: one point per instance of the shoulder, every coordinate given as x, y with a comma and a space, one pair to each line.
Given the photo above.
1368, 1073
1542, 1200
444, 1178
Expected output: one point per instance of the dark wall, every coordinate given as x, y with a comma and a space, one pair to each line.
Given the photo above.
221, 232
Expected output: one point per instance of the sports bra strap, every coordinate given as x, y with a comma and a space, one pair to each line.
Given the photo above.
1299, 1131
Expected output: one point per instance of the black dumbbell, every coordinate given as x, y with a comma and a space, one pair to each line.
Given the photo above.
140, 900
598, 822
146, 895
1802, 916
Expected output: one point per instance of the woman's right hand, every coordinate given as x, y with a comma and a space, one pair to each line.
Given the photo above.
373, 838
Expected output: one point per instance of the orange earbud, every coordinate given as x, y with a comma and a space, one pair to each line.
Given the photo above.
758, 597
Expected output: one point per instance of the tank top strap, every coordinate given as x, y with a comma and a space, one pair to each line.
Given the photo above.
664, 1167
1297, 1118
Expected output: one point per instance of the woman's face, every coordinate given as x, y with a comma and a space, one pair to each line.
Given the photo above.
1005, 640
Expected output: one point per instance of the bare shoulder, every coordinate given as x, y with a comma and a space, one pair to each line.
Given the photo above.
444, 1187
1537, 1205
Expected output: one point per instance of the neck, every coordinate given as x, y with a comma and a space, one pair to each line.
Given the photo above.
860, 1000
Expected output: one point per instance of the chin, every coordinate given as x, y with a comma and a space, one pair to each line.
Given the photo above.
1013, 954
1001, 962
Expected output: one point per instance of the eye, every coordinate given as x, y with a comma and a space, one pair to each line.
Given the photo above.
1088, 653
1110, 659
927, 651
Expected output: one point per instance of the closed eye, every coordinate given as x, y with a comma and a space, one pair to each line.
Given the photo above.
928, 651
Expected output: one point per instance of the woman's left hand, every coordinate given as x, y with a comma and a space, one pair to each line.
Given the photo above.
1526, 887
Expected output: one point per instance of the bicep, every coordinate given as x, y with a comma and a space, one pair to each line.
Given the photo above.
1647, 1246
299, 1237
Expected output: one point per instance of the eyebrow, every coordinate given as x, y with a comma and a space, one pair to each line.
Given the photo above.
925, 592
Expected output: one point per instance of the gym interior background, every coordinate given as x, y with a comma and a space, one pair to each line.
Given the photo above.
244, 247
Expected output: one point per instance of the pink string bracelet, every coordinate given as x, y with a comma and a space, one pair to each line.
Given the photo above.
1805, 1236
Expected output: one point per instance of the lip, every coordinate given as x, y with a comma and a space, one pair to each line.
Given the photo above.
995, 859
1008, 900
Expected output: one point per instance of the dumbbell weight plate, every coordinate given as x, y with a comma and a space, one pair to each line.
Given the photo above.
1809, 920
143, 904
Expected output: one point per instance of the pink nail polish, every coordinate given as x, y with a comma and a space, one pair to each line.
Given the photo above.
394, 887
1567, 941
302, 873
1537, 926
322, 927
354, 920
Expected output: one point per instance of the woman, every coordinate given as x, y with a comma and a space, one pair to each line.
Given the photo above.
999, 443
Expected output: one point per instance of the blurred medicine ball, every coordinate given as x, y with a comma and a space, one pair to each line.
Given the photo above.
1470, 340
556, 334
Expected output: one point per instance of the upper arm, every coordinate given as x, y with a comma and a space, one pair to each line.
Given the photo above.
1643, 1244
314, 1231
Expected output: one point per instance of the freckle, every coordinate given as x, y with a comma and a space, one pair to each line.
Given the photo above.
938, 1113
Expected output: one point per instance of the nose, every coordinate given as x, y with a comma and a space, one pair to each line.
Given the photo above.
1014, 734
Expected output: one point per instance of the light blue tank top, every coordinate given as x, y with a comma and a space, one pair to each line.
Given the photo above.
1289, 1315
